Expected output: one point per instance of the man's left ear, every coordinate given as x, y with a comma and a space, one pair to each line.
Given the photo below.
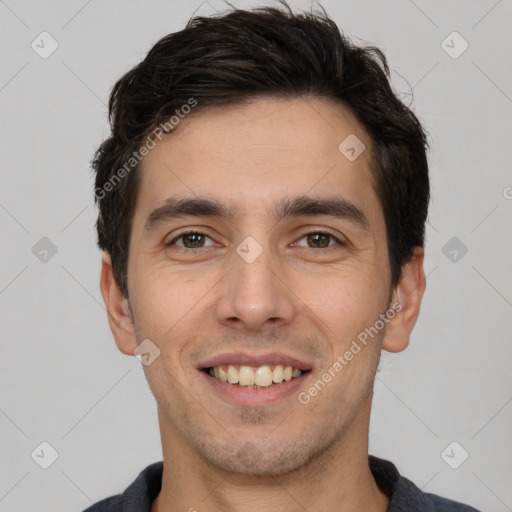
408, 293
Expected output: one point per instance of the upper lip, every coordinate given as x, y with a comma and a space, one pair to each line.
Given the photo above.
255, 360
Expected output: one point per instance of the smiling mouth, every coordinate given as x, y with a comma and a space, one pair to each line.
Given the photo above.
254, 377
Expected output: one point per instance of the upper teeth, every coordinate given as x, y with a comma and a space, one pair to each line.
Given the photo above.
263, 376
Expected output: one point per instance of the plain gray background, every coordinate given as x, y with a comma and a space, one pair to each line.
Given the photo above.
62, 379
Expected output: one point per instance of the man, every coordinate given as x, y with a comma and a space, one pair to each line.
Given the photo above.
262, 205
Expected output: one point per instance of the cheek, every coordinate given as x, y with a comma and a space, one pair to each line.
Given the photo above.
165, 302
345, 302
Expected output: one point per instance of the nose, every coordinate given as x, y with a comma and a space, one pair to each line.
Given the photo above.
255, 296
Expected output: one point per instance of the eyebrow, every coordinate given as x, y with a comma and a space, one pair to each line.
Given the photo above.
301, 206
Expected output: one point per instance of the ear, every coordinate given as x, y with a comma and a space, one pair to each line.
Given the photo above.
118, 308
408, 293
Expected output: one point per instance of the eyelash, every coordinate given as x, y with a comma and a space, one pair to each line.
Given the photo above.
324, 232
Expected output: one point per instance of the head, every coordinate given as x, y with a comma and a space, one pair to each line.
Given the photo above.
281, 145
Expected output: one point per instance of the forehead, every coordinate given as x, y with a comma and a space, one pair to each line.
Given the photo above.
255, 154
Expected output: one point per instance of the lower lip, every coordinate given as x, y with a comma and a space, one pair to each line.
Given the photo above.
254, 396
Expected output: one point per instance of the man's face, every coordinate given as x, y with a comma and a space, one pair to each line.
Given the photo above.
257, 288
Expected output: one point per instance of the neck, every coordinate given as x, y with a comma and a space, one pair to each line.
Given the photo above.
337, 479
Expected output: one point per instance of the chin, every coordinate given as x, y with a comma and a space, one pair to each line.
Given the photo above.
263, 459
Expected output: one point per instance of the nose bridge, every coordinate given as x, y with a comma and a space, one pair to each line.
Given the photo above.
253, 294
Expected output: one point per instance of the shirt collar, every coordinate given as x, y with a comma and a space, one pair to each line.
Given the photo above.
403, 494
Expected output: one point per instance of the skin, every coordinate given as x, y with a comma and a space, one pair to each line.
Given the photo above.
296, 298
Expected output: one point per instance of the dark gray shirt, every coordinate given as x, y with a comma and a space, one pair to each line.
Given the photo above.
403, 494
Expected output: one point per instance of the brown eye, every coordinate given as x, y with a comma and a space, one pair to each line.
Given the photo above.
190, 240
193, 240
320, 240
